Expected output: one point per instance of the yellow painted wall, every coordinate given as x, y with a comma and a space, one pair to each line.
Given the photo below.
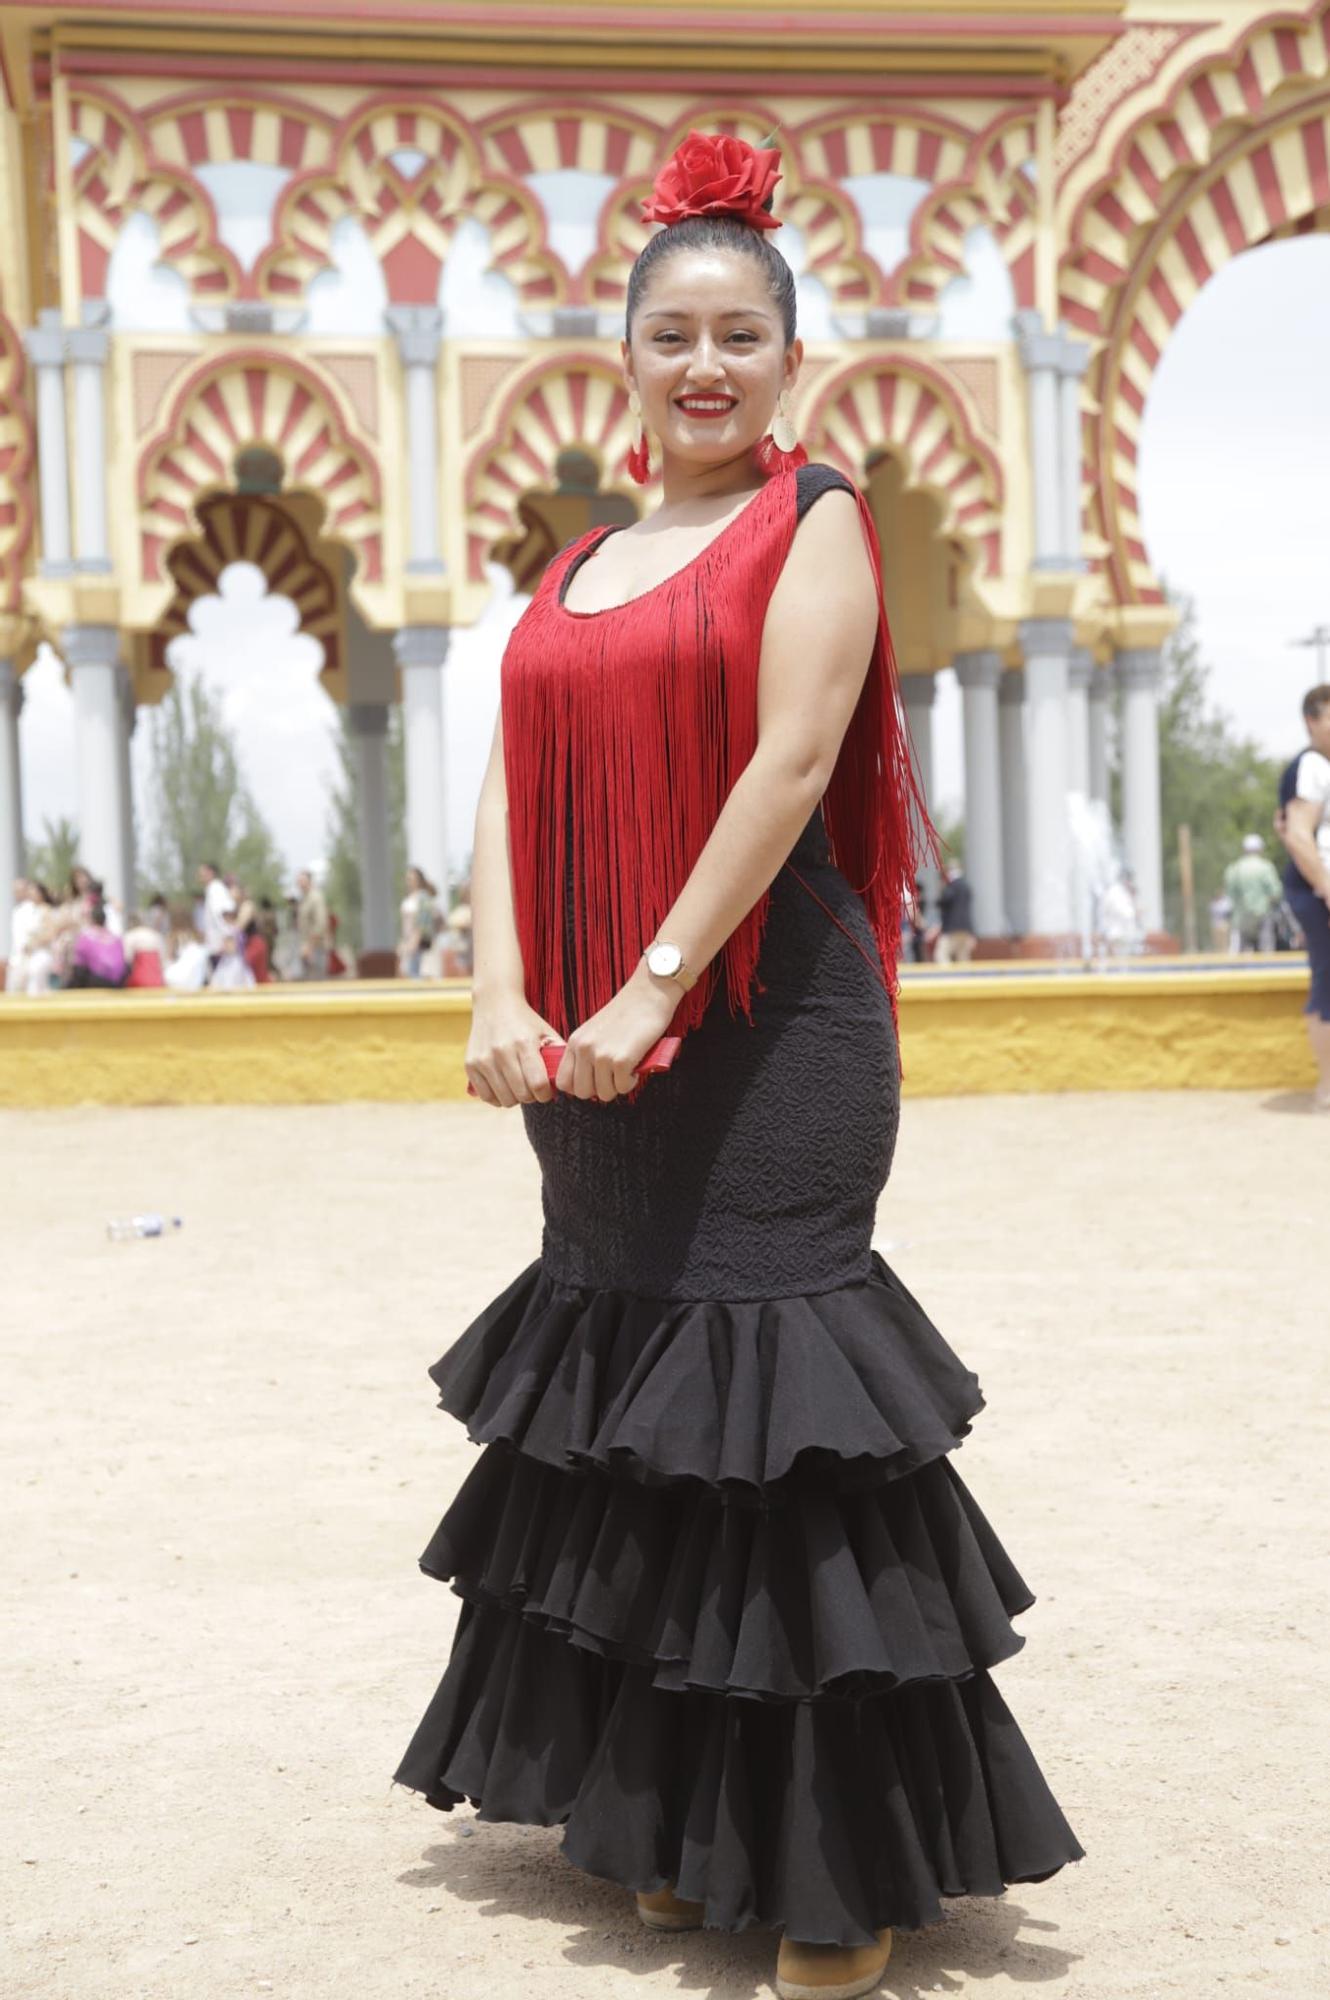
977, 1034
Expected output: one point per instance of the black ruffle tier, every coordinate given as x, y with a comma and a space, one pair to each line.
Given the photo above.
729, 1611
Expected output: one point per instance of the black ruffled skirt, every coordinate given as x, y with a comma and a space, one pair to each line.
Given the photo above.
728, 1609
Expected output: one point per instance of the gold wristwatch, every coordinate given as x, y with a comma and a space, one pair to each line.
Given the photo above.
666, 961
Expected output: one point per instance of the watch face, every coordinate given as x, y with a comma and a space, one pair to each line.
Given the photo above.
665, 959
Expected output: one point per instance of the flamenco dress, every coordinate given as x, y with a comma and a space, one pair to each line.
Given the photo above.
728, 1611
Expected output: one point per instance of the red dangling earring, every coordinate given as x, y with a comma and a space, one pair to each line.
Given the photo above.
638, 460
780, 450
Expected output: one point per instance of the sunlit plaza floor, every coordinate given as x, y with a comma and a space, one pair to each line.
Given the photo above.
224, 1457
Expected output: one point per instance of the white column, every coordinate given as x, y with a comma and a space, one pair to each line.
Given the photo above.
421, 651
1075, 360
419, 333
1139, 678
1080, 671
93, 655
1046, 643
1041, 353
46, 350
1101, 689
87, 347
129, 715
918, 693
368, 722
979, 674
1011, 762
11, 797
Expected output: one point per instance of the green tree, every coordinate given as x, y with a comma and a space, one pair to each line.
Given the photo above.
51, 859
202, 808
1213, 779
343, 887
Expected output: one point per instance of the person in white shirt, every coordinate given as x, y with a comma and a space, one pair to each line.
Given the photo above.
218, 905
1303, 824
23, 925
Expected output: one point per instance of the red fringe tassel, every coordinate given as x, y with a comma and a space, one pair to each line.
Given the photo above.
629, 727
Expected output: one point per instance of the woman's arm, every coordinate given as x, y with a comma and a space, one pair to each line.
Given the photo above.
496, 952
816, 647
1301, 818
503, 1059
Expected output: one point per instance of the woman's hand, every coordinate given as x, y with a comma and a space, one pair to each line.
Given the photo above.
603, 1053
503, 1059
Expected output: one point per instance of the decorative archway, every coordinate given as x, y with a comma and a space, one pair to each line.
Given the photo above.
409, 172
253, 528
994, 191
905, 407
248, 398
572, 402
117, 177
825, 216
1240, 156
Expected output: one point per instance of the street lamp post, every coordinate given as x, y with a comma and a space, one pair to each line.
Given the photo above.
1319, 636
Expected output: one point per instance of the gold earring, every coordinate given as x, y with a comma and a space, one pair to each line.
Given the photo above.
783, 434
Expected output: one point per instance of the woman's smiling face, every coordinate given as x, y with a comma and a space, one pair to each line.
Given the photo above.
707, 355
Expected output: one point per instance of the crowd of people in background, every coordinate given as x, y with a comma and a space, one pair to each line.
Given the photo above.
227, 939
230, 939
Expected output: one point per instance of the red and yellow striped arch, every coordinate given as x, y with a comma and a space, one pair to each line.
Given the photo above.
910, 409
1240, 156
248, 398
249, 527
574, 400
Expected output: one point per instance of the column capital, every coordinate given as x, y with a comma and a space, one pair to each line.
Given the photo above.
1038, 347
418, 331
421, 645
1140, 667
978, 670
1011, 688
1080, 668
919, 690
45, 342
1074, 355
90, 645
367, 718
1101, 683
88, 344
1045, 638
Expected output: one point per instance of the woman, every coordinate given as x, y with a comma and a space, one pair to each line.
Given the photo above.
143, 953
253, 943
728, 1611
99, 954
417, 922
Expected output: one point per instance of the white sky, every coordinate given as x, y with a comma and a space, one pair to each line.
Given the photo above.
1235, 490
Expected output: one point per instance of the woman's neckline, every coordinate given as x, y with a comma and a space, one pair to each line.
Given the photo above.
605, 610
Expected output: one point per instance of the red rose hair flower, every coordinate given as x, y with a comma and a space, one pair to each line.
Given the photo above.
713, 174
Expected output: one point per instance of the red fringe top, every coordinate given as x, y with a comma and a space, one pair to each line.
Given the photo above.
625, 730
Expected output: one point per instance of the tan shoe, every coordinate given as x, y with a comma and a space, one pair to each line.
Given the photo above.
830, 1971
662, 1910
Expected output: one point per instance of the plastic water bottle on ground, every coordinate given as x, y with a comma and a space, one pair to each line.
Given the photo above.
125, 1228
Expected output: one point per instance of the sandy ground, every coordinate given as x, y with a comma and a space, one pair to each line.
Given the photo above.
223, 1457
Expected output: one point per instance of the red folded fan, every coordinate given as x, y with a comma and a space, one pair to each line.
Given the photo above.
659, 1056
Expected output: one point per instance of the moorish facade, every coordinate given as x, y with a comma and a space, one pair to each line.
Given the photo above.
338, 288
